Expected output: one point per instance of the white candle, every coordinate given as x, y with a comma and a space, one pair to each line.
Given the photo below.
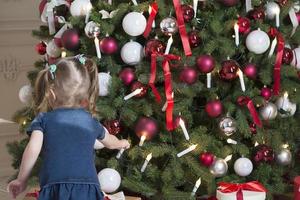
236, 33
110, 2
185, 132
87, 17
96, 41
63, 54
272, 49
248, 5
142, 140
195, 6
169, 44
228, 158
134, 2
164, 108
132, 94
149, 156
294, 20
191, 148
153, 23
231, 141
242, 82
208, 80
285, 146
285, 101
120, 153
197, 185
277, 18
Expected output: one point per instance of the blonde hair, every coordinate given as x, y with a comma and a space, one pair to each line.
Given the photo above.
72, 83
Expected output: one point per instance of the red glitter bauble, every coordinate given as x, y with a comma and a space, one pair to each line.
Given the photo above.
154, 46
194, 38
263, 153
70, 39
287, 56
147, 127
266, 93
188, 75
127, 75
257, 14
282, 3
214, 108
250, 71
207, 159
229, 70
41, 48
109, 45
205, 63
112, 126
137, 85
244, 25
188, 12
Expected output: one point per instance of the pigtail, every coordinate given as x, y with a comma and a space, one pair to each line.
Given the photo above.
42, 91
94, 87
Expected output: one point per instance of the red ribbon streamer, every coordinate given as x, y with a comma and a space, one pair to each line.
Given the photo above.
244, 100
154, 11
236, 187
168, 85
277, 67
181, 27
33, 194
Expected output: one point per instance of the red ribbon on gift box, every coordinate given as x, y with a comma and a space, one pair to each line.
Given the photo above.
277, 67
154, 11
244, 100
254, 186
168, 84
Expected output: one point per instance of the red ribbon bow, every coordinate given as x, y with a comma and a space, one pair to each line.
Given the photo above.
238, 187
154, 11
244, 100
181, 27
33, 194
277, 67
168, 85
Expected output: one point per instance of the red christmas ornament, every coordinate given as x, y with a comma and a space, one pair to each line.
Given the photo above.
127, 76
244, 25
188, 75
229, 70
282, 3
298, 16
188, 12
266, 93
287, 56
205, 63
252, 128
229, 2
154, 46
147, 127
257, 14
263, 153
40, 48
214, 108
137, 85
177, 120
207, 159
112, 126
109, 45
194, 38
70, 39
250, 71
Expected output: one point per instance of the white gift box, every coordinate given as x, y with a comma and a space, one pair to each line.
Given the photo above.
247, 195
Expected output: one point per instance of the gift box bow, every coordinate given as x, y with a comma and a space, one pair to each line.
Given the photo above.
254, 186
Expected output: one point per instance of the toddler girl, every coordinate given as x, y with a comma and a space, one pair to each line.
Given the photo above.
65, 132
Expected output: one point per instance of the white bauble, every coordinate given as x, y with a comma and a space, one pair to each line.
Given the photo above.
104, 81
284, 104
258, 42
284, 157
296, 58
243, 166
80, 7
134, 23
271, 9
219, 168
25, 94
132, 53
109, 179
53, 50
268, 111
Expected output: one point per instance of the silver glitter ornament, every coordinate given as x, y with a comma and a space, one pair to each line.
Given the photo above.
284, 157
169, 26
271, 9
227, 126
268, 111
285, 107
219, 167
92, 29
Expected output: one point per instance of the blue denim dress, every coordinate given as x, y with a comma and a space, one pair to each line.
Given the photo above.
68, 170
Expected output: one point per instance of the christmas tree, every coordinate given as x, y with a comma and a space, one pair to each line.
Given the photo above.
202, 89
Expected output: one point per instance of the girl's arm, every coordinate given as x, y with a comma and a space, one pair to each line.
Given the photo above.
29, 158
112, 142
98, 145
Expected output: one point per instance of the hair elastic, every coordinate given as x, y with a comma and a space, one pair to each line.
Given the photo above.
81, 58
52, 69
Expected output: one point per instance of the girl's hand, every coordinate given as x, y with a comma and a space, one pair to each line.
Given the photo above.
16, 187
125, 144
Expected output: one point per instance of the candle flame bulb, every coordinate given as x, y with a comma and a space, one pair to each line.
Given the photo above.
143, 138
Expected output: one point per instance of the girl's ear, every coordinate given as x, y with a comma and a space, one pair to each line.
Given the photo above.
52, 95
84, 103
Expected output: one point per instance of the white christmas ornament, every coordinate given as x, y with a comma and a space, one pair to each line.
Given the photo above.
272, 9
296, 58
25, 94
285, 107
258, 42
104, 80
53, 50
268, 111
134, 23
243, 166
109, 180
132, 53
80, 7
